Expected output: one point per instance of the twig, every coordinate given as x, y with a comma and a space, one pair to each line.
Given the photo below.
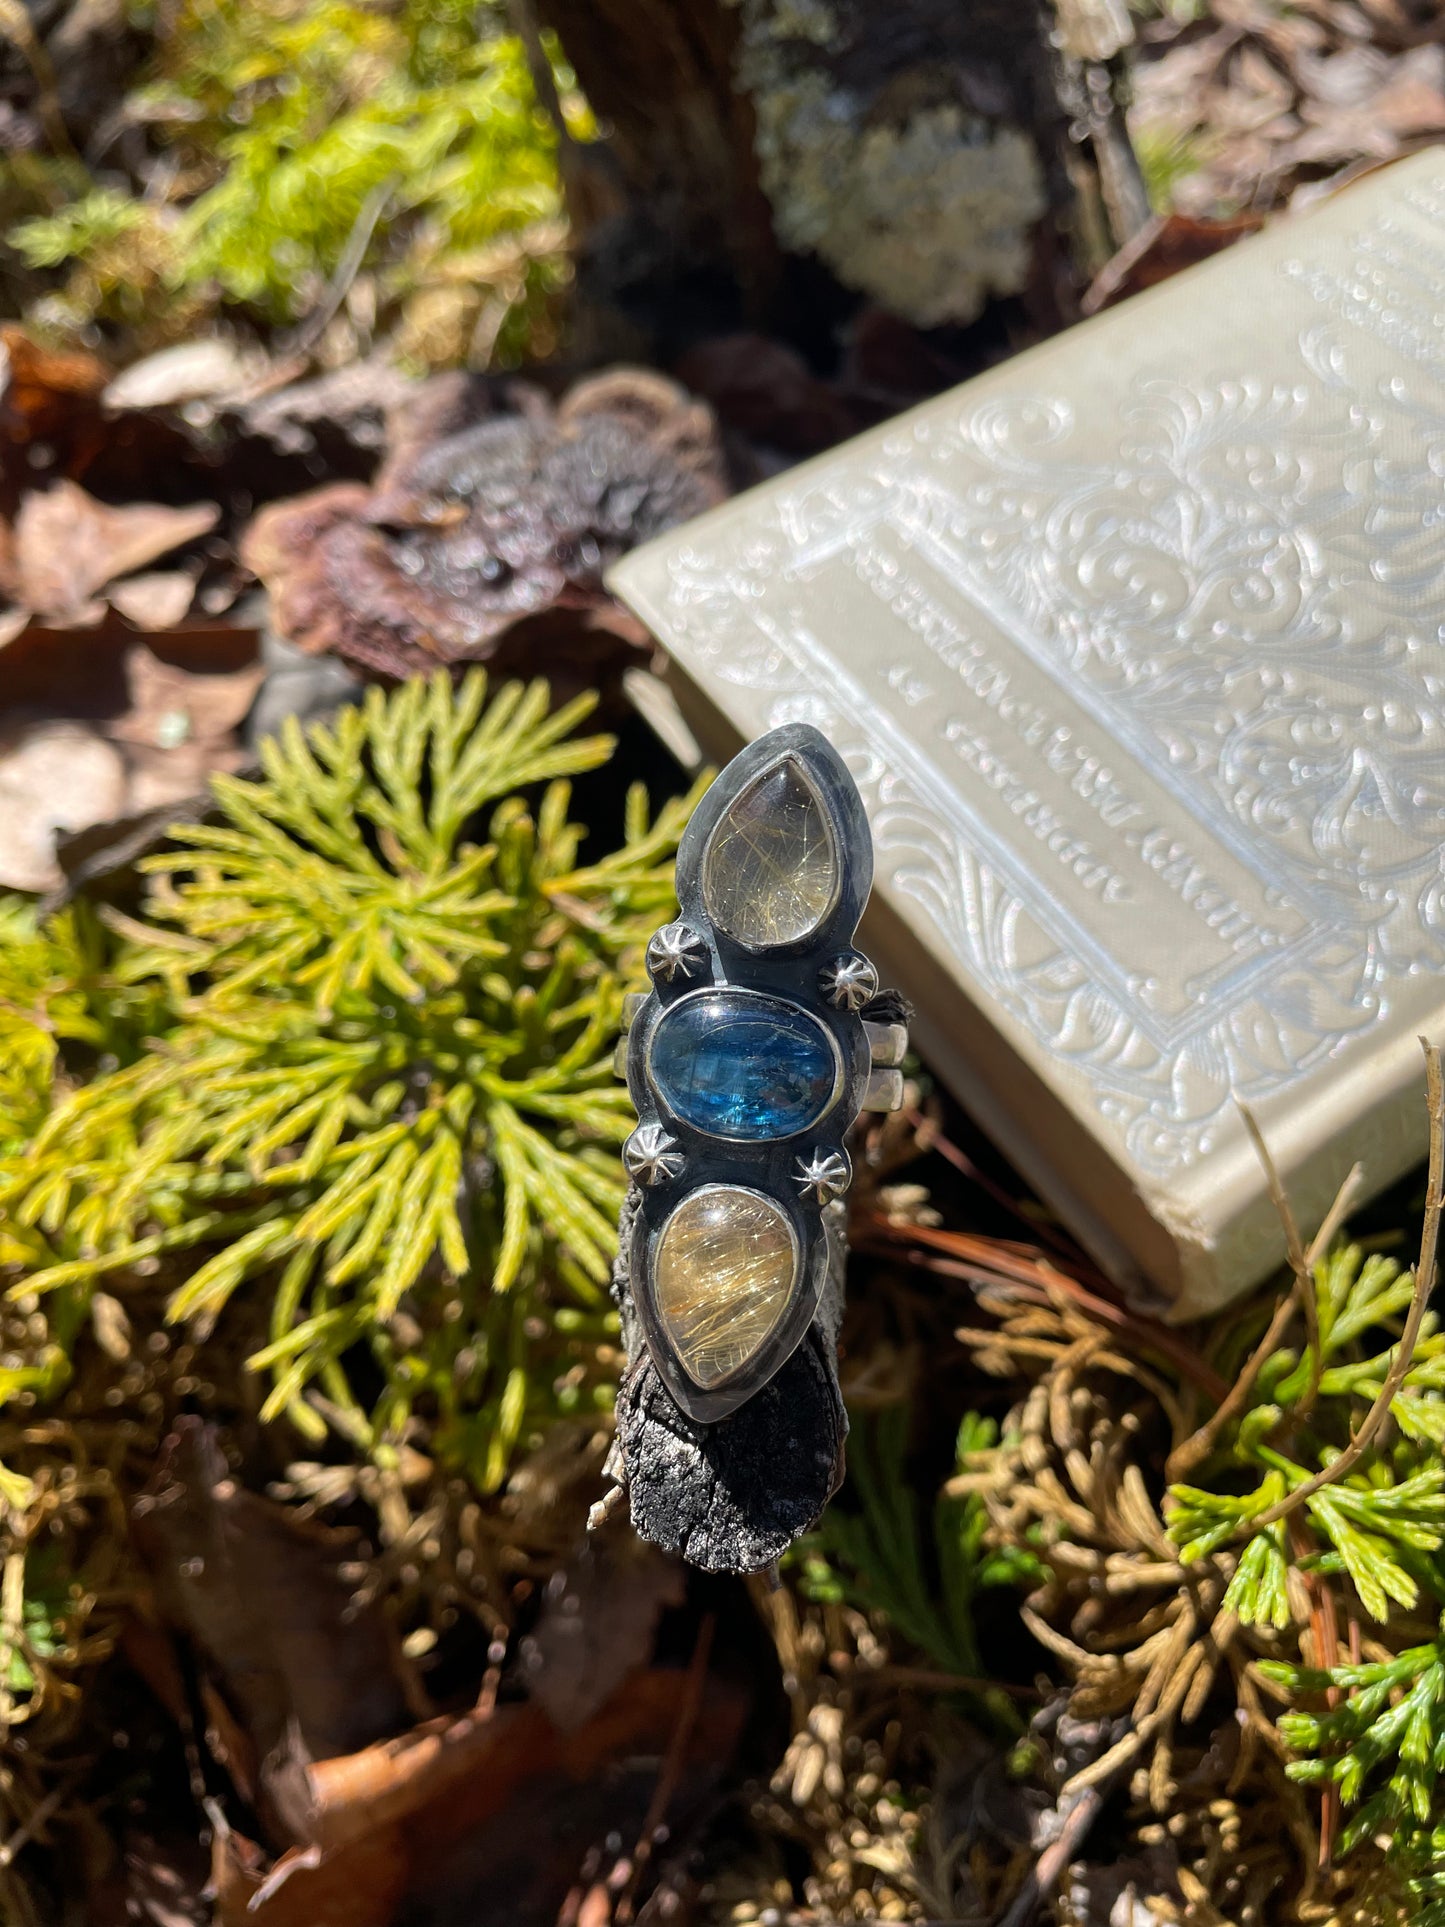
1043, 1876
1335, 1216
1197, 1447
27, 1830
1294, 1248
347, 268
1424, 1281
931, 1138
12, 1626
671, 1771
523, 19
993, 1261
926, 1680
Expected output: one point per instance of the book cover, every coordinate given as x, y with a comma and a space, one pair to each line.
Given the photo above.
1136, 648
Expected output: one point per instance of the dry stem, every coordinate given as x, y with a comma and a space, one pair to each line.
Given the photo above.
1424, 1281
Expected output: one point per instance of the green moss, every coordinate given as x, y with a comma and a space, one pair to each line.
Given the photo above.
319, 152
872, 1550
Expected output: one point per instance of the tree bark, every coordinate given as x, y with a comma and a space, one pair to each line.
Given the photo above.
929, 154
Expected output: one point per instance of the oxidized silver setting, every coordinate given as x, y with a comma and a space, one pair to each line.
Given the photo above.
849, 982
651, 1156
675, 951
824, 1176
811, 970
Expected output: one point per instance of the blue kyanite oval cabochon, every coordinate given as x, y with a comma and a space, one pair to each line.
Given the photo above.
737, 1064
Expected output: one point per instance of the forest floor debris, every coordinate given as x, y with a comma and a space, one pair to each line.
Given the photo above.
357, 1661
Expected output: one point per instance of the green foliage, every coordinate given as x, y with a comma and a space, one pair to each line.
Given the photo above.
38, 1635
1383, 1746
1383, 1524
1374, 1535
1166, 157
378, 1084
325, 149
870, 1550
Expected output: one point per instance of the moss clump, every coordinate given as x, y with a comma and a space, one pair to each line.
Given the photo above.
388, 167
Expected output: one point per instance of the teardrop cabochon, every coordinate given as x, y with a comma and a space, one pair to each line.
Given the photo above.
677, 1334
778, 849
785, 796
725, 1265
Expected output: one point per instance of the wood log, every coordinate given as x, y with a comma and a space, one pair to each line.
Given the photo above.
928, 155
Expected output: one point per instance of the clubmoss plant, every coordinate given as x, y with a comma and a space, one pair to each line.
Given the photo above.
1379, 1527
377, 1087
1253, 1643
1328, 1478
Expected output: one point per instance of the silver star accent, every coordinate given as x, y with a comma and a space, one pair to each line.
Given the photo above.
823, 1177
675, 949
849, 982
651, 1156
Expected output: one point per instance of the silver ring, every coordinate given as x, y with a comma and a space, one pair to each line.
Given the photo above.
749, 1061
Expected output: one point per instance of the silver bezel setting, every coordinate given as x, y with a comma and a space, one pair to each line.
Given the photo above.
745, 992
720, 1387
840, 856
787, 974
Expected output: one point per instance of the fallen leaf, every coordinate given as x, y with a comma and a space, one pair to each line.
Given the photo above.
186, 687
1412, 100
7, 560
156, 601
180, 727
1165, 246
54, 776
190, 371
256, 1590
598, 1624
166, 778
68, 546
83, 673
101, 860
329, 418
172, 707
484, 1817
40, 389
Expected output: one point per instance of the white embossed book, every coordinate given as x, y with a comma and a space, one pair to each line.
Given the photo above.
1136, 648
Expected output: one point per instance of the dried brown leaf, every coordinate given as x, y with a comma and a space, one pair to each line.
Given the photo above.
155, 601
54, 776
257, 1591
68, 546
40, 389
598, 1624
172, 707
484, 1816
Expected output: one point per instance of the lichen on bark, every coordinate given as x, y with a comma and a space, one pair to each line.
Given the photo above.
914, 179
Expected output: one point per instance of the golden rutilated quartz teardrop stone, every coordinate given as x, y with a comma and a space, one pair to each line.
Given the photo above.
724, 1270
771, 869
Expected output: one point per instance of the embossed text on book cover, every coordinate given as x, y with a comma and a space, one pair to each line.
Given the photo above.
1136, 648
